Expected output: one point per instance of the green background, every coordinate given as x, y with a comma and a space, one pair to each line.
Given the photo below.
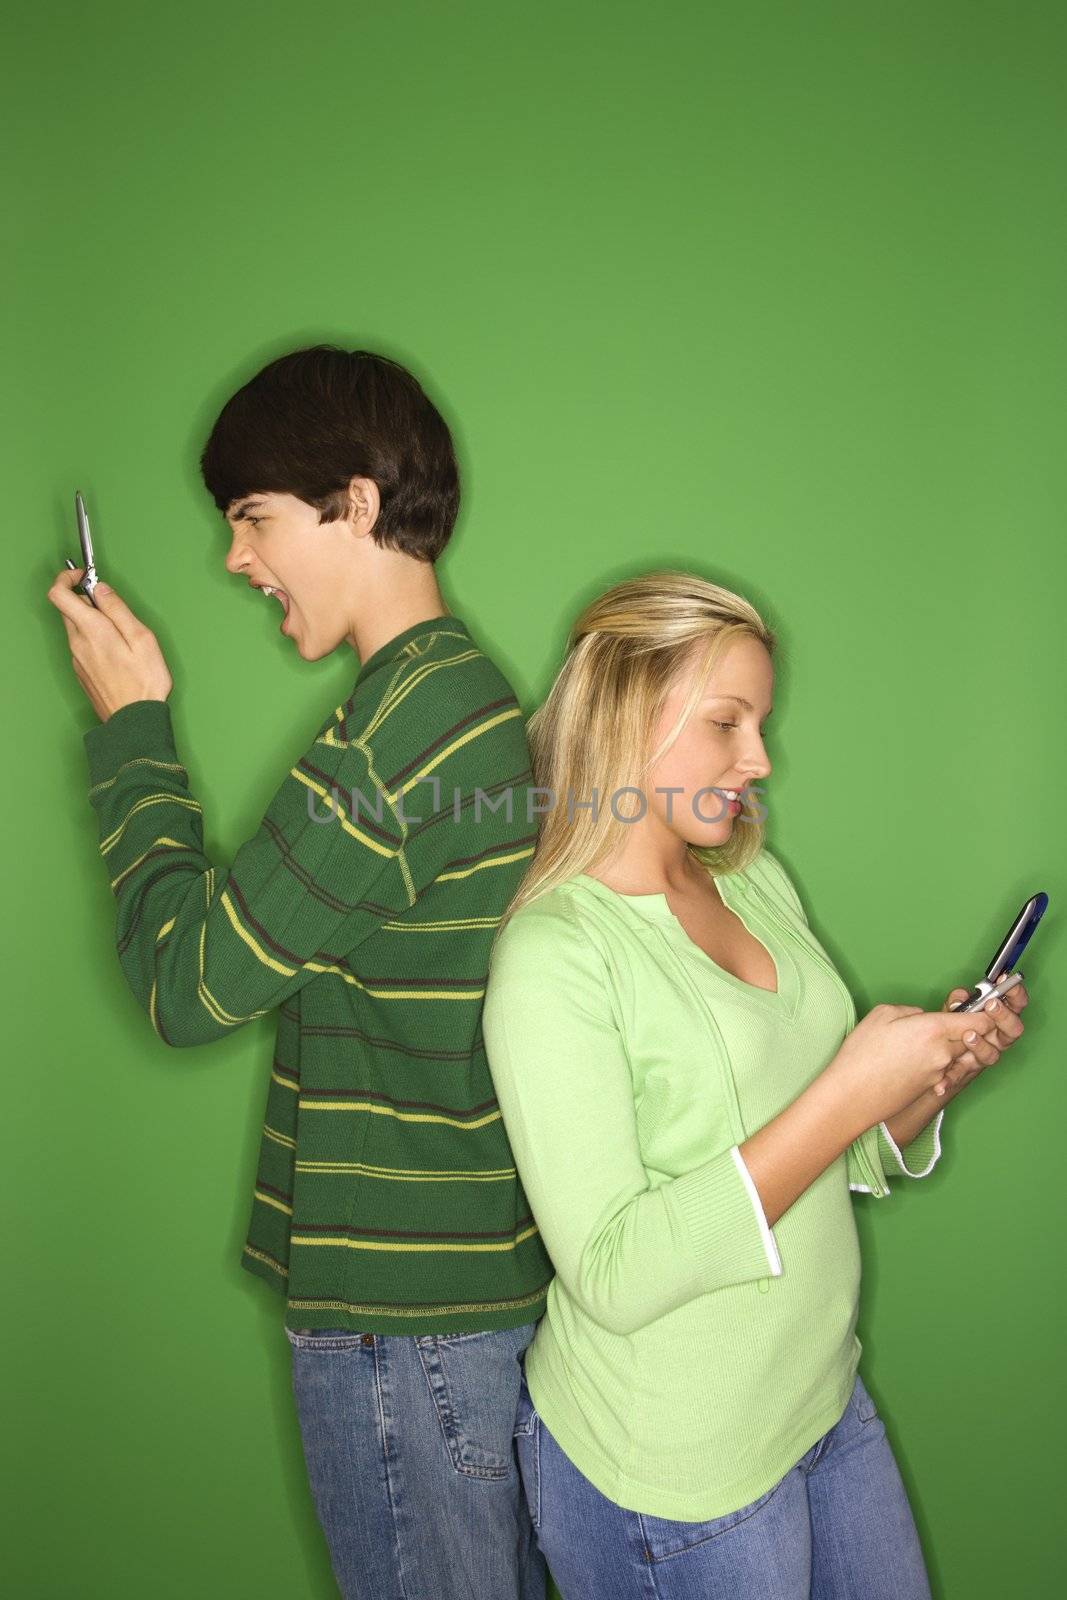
773, 293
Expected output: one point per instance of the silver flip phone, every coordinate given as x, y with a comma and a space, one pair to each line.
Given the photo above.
1011, 948
89, 579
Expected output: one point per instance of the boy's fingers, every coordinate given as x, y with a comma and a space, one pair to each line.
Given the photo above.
117, 611
73, 606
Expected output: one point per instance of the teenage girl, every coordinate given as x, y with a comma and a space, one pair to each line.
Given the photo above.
690, 1102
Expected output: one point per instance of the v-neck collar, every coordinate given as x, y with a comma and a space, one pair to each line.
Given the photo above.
655, 909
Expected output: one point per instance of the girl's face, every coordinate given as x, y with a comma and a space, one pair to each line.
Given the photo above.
720, 747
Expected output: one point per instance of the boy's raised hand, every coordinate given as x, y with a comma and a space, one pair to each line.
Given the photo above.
116, 658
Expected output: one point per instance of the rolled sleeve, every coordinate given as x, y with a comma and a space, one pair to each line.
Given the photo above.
918, 1158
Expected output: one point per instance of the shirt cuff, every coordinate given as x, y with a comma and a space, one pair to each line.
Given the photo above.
774, 1260
918, 1158
720, 1209
135, 729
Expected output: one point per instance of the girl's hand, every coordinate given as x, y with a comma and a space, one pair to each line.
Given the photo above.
895, 1054
986, 1050
116, 658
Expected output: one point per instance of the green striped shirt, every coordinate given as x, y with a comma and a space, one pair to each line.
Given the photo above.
362, 910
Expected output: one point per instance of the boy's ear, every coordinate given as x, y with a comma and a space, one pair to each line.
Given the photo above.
364, 504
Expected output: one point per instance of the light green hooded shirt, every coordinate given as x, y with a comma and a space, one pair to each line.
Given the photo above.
689, 1354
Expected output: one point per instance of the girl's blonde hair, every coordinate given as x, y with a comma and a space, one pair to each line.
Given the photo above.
624, 652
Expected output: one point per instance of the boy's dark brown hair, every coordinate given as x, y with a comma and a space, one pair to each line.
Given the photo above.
313, 419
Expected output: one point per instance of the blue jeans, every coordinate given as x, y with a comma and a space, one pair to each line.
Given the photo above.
410, 1456
837, 1527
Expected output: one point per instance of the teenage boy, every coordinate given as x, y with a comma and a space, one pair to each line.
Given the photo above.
387, 1208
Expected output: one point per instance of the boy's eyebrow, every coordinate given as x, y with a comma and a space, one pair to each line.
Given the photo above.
246, 505
740, 700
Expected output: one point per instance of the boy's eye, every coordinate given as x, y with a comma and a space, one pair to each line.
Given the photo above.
253, 519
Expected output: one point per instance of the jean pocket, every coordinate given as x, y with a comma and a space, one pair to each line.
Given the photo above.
528, 1453
323, 1338
473, 1380
663, 1537
525, 1414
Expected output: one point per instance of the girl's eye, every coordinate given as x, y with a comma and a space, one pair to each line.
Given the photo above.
725, 724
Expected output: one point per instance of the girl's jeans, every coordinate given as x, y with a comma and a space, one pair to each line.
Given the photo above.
410, 1455
837, 1527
